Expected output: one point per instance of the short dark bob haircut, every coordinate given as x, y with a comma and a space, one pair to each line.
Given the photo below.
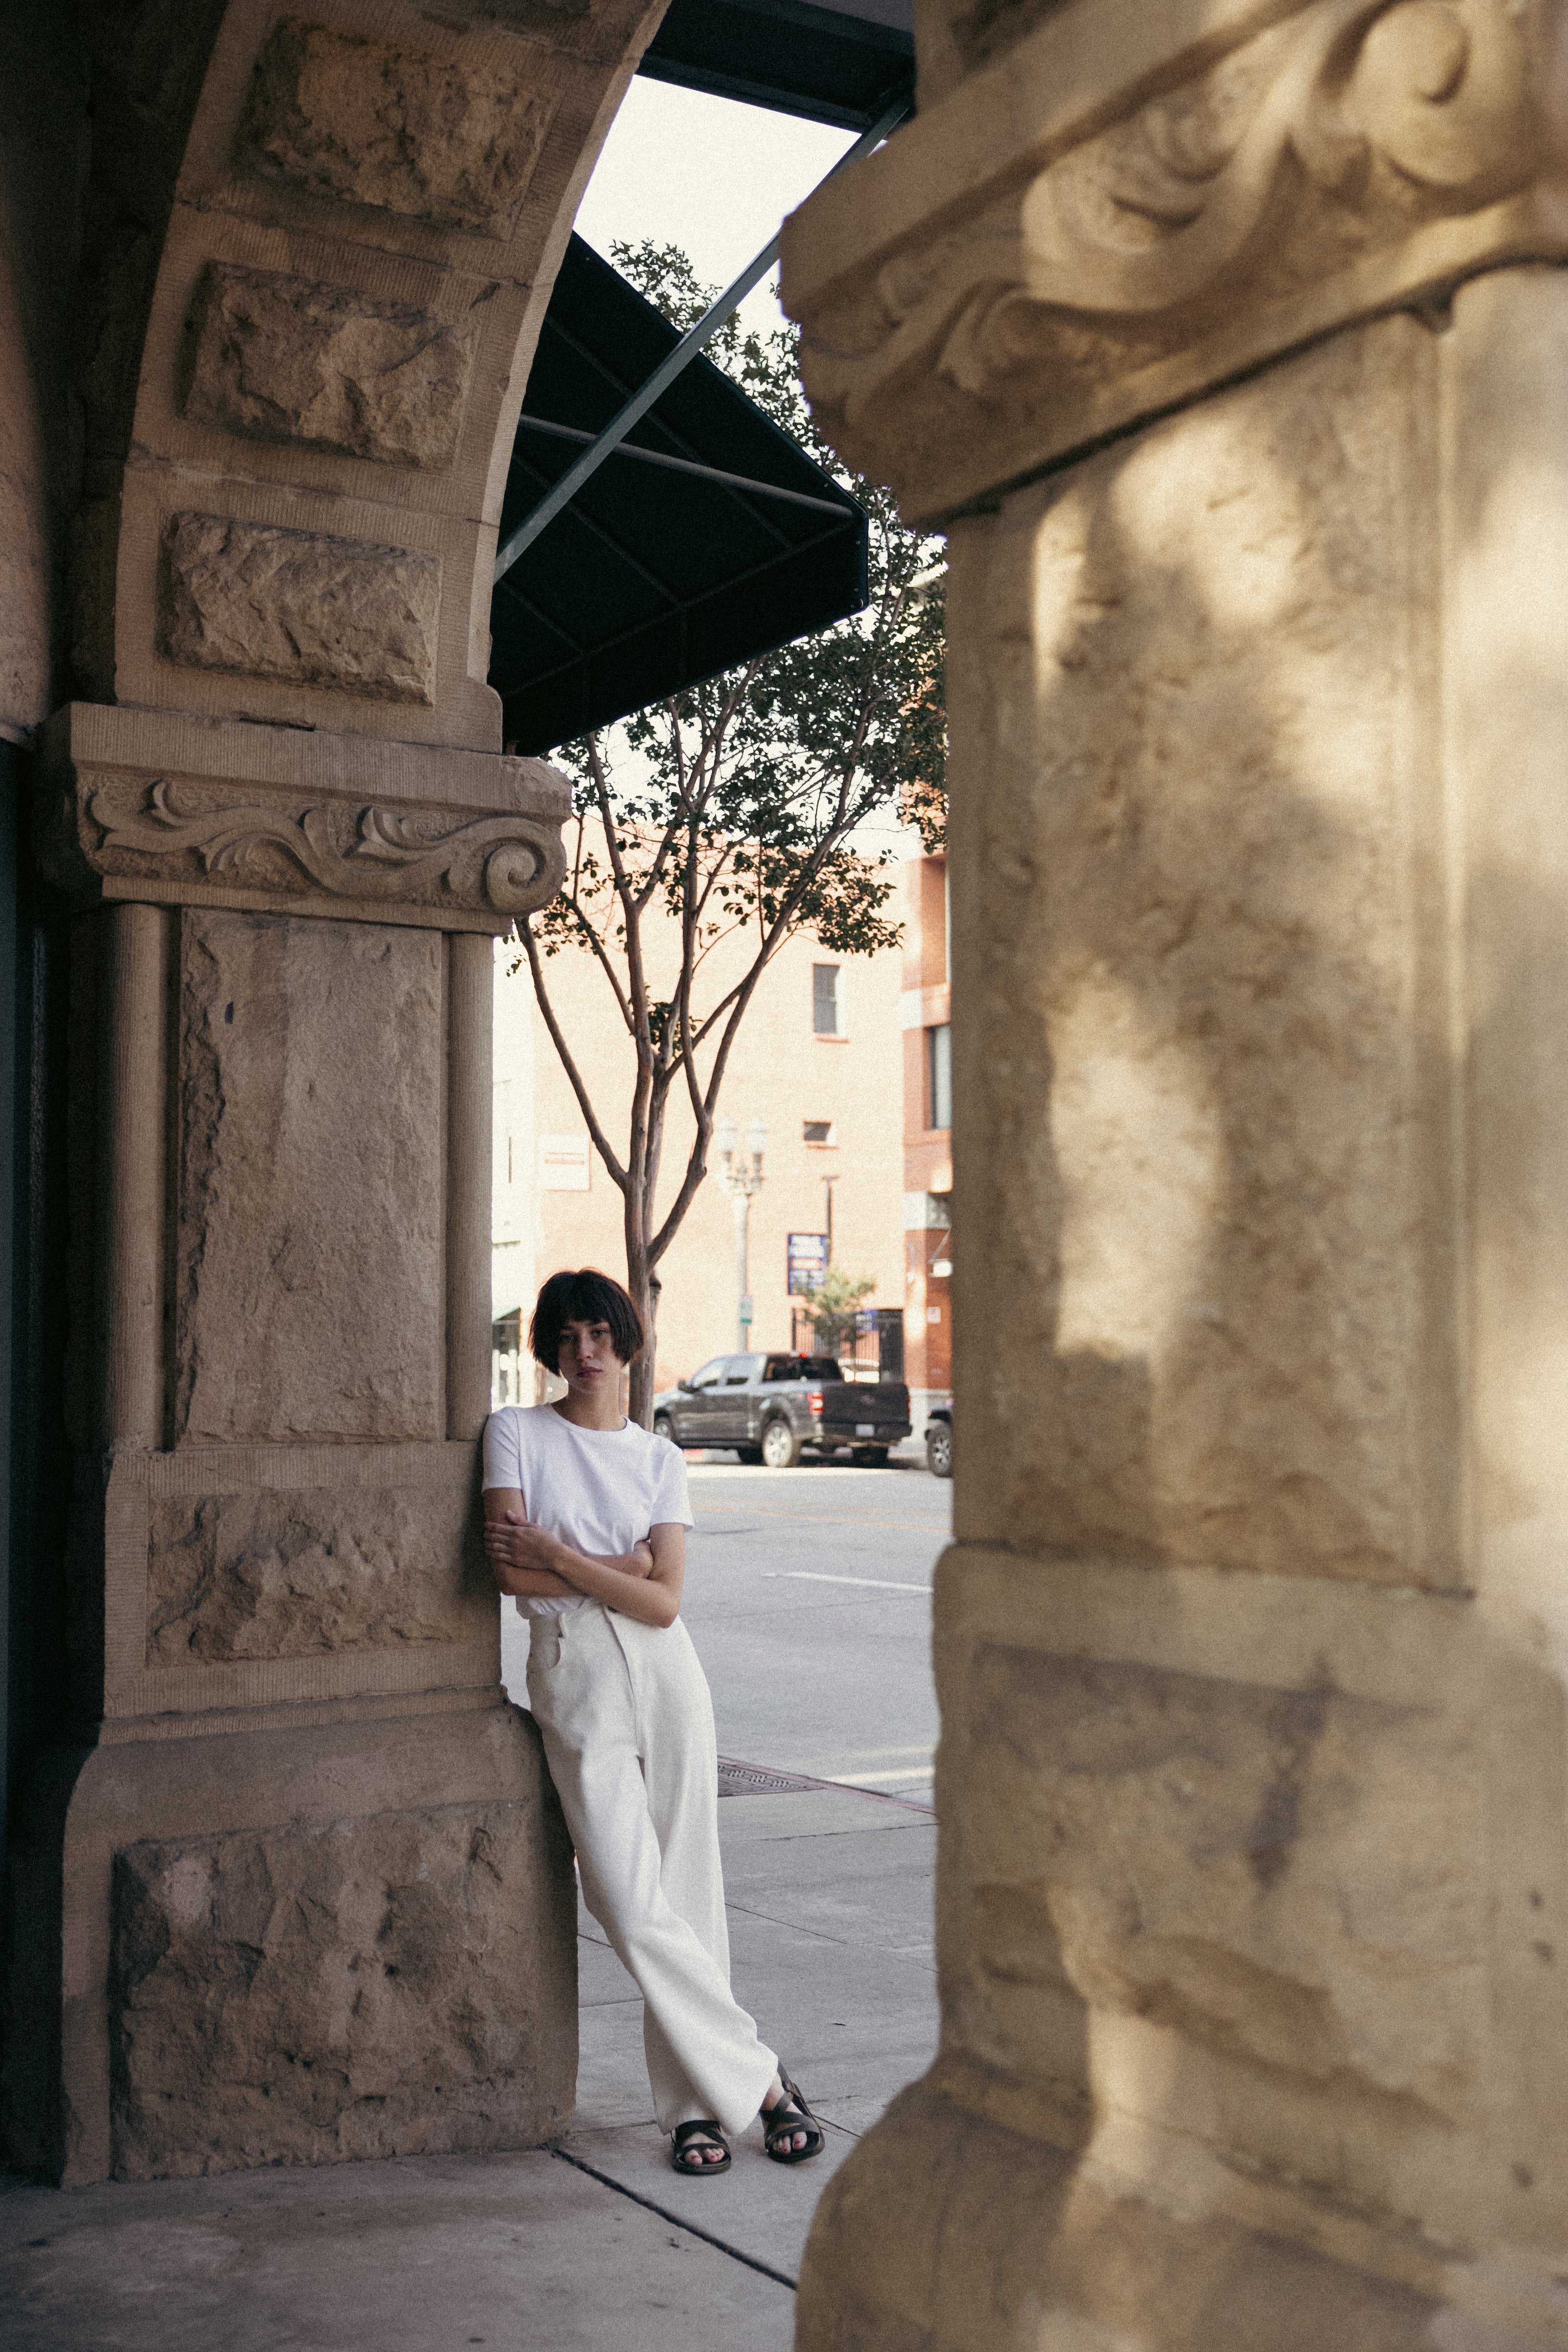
585, 1297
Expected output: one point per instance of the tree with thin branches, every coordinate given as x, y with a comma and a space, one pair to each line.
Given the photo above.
714, 827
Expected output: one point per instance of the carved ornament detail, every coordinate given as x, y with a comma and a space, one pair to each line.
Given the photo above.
505, 864
1359, 154
178, 810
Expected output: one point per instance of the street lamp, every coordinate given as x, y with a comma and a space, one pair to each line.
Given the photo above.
741, 1181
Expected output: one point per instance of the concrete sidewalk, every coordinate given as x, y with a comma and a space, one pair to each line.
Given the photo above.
598, 2245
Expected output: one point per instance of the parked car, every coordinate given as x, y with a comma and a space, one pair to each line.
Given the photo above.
939, 1440
772, 1408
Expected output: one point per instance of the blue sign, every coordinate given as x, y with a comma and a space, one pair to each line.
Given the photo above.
807, 1262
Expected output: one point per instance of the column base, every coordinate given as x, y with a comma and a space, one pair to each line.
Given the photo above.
300, 1946
946, 2232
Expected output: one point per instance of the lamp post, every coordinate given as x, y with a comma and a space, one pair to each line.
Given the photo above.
740, 1180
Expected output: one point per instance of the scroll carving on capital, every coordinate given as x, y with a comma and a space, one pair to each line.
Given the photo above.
1360, 154
237, 815
506, 865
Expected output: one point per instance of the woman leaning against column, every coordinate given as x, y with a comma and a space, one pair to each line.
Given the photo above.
585, 1520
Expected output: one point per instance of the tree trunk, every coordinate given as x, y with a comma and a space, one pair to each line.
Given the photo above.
639, 1402
642, 1281
642, 1284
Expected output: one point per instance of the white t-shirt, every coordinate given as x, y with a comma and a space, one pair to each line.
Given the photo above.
600, 1490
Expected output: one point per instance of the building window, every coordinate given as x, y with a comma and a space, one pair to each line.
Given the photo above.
938, 1077
826, 999
817, 1130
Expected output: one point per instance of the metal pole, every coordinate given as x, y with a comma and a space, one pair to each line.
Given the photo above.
685, 351
743, 1219
686, 466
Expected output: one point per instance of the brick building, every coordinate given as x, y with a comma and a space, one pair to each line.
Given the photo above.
923, 1012
814, 1061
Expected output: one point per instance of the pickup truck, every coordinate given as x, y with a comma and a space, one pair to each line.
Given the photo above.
771, 1408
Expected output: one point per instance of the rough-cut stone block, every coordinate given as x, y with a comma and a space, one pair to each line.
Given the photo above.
283, 359
301, 607
294, 1575
309, 1298
434, 137
1254, 1868
302, 1995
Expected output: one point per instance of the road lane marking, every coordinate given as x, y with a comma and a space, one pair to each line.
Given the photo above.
815, 1575
859, 1779
819, 1519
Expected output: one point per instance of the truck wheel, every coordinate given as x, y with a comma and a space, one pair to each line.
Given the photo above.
663, 1427
939, 1449
871, 1457
781, 1446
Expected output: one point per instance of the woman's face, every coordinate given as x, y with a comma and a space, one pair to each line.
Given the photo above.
588, 1361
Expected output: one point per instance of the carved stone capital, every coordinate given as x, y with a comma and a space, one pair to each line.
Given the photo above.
1135, 203
154, 806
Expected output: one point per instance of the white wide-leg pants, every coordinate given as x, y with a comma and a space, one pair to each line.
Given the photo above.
627, 1719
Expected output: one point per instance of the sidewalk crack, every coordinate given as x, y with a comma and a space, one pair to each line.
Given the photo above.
607, 2180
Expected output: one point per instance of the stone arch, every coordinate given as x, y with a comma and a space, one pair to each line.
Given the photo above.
322, 235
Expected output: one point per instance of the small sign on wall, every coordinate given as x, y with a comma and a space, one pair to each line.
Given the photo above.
564, 1163
808, 1262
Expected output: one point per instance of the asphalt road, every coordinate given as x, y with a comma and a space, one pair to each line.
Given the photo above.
806, 1595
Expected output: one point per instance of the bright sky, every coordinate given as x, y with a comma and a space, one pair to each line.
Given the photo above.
706, 173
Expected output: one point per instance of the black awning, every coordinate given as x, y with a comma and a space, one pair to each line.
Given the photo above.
658, 574
839, 63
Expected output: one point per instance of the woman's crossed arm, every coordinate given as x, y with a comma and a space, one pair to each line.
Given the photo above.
532, 1565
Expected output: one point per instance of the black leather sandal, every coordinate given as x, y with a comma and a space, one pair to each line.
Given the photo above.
683, 2156
781, 2123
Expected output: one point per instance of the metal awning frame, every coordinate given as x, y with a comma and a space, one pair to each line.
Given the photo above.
838, 509
687, 466
628, 635
665, 374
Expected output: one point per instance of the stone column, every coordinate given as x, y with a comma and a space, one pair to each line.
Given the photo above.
294, 1888
304, 1895
1231, 344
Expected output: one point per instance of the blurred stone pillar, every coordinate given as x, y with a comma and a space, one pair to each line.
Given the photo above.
1231, 343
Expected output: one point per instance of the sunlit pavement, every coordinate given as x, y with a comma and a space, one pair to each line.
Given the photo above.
806, 1598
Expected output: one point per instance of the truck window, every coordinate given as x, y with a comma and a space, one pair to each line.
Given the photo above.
820, 1368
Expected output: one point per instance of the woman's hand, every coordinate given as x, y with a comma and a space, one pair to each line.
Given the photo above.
515, 1543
